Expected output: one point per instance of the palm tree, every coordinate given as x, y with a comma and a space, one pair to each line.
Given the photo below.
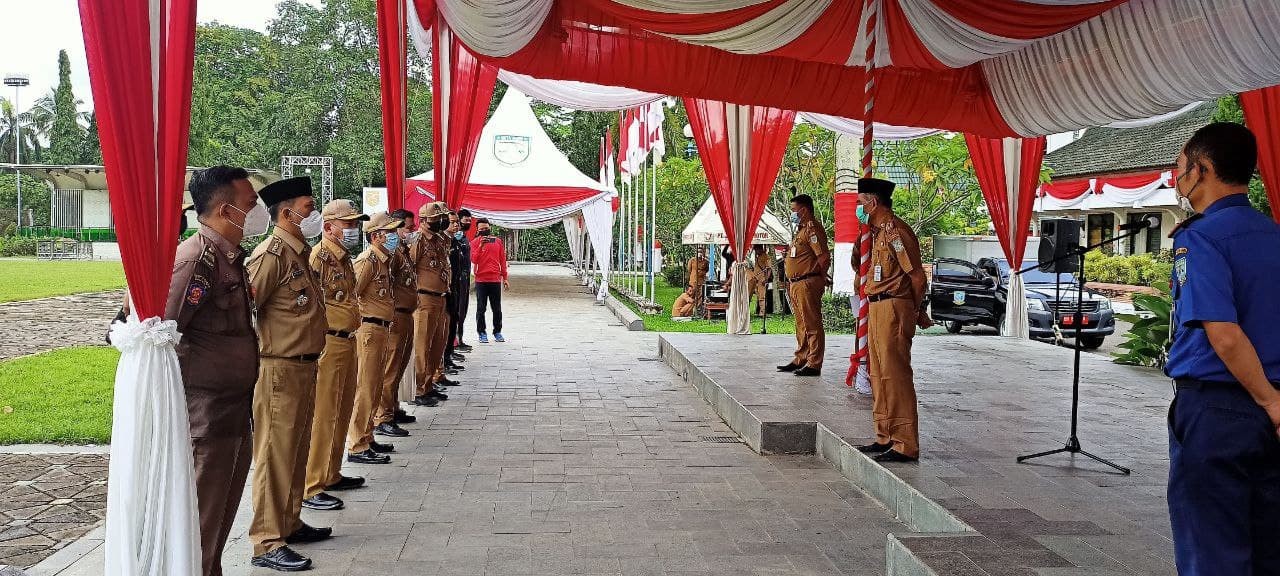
10, 120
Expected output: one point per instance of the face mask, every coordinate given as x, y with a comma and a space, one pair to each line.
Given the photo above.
1184, 201
863, 217
795, 218
312, 225
458, 235
466, 226
482, 232
392, 243
438, 226
350, 238
256, 221
412, 237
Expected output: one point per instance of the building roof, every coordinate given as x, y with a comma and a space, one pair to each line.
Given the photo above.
1123, 150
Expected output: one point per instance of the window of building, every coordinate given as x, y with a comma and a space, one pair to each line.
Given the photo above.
1147, 241
1102, 227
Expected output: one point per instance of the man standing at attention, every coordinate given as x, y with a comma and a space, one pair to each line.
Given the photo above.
807, 263
389, 416
430, 257
291, 328
1224, 448
218, 352
761, 271
335, 384
462, 282
698, 267
490, 258
376, 293
896, 291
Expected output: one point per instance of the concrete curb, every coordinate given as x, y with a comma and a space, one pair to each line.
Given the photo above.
55, 449
630, 320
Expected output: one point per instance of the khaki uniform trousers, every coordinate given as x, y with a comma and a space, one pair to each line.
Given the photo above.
761, 290
283, 400
335, 393
430, 330
372, 347
806, 304
400, 345
893, 406
221, 467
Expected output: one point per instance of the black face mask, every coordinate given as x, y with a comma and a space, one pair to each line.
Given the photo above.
438, 225
484, 232
466, 226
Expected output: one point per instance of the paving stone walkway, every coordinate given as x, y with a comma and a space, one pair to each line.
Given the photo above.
571, 449
48, 501
59, 322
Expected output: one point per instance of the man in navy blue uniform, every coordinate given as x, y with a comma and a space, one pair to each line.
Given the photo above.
1224, 448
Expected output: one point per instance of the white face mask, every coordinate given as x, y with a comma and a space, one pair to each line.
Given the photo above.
412, 237
312, 225
350, 238
256, 221
1184, 201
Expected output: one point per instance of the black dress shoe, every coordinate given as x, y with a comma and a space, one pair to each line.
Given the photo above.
463, 347
346, 483
789, 367
445, 382
454, 369
807, 371
894, 456
438, 395
381, 448
390, 429
451, 371
283, 559
322, 501
308, 533
458, 358
402, 417
425, 400
875, 448
368, 457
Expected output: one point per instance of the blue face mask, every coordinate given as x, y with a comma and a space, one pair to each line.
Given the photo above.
863, 217
458, 235
795, 218
393, 242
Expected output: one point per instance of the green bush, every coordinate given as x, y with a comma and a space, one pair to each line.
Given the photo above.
11, 246
1136, 270
1147, 342
837, 314
674, 274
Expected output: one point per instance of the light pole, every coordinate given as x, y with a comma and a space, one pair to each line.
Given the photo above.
17, 81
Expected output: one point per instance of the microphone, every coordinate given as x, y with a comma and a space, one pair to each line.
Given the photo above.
1148, 222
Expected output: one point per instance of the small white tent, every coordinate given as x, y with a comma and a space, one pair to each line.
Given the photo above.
706, 228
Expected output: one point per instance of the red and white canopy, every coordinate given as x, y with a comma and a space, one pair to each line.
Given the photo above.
986, 67
520, 179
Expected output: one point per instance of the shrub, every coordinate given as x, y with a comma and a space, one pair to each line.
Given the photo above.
1147, 342
838, 315
1136, 270
674, 274
11, 246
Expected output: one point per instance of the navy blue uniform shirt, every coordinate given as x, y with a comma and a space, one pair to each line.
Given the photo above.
1226, 269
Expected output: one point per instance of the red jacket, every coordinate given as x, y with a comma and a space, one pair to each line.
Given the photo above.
489, 257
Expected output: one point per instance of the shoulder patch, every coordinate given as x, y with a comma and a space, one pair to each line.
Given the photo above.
275, 246
197, 288
1180, 268
897, 244
207, 255
1180, 251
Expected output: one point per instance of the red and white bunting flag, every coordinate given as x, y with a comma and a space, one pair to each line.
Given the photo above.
657, 142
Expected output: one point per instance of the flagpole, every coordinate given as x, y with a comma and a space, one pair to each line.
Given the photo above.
653, 225
644, 225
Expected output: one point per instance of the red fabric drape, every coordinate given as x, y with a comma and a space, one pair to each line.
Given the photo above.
1262, 114
463, 88
143, 123
846, 221
770, 130
1066, 189
989, 165
393, 66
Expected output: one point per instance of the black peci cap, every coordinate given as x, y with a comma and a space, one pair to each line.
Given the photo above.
287, 189
877, 186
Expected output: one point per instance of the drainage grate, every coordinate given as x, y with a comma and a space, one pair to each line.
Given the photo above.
721, 439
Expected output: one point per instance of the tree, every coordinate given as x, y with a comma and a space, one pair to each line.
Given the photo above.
11, 123
808, 166
91, 145
937, 192
1229, 110
66, 135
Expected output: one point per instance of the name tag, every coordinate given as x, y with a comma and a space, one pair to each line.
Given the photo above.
793, 251
876, 274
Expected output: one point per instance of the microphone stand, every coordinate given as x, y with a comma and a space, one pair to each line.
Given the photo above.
1073, 441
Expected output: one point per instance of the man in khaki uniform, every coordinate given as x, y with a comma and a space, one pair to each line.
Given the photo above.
761, 271
377, 307
896, 292
698, 267
388, 417
807, 262
291, 331
336, 383
430, 257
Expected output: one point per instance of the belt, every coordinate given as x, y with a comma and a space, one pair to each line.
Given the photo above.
298, 358
404, 310
804, 276
1189, 384
340, 333
378, 321
882, 296
430, 293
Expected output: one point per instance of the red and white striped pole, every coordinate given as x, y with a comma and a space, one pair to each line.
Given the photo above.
858, 368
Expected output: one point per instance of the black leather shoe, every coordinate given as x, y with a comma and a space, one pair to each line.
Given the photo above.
445, 382
381, 448
322, 501
894, 456
875, 448
451, 371
454, 369
427, 401
807, 371
458, 358
308, 533
438, 395
390, 429
282, 559
403, 417
346, 483
789, 367
463, 347
368, 457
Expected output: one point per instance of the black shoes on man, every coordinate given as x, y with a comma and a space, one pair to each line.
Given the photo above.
790, 367
346, 483
875, 448
426, 400
894, 456
368, 457
402, 417
390, 429
323, 501
283, 559
799, 369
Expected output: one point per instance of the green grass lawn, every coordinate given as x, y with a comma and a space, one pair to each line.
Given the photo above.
662, 322
28, 278
58, 397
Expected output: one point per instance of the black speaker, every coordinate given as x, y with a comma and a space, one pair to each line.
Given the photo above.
1058, 236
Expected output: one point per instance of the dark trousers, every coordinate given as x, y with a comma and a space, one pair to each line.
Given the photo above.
489, 294
451, 310
463, 293
221, 466
1224, 483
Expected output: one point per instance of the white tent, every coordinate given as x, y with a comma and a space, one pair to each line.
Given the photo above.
705, 228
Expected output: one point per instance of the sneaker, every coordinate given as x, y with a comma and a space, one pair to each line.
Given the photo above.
483, 338
498, 337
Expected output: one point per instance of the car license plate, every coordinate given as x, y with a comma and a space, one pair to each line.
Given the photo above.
1070, 320
957, 297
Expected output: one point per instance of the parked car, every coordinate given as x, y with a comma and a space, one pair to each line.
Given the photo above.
963, 294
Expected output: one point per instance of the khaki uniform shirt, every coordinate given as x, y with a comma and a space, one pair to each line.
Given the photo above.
332, 266
763, 265
895, 254
405, 280
807, 248
291, 319
373, 284
430, 256
218, 352
698, 268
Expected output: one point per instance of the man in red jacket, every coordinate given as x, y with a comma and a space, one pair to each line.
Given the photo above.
489, 257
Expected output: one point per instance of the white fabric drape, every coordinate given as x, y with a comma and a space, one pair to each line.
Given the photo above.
573, 235
153, 526
1160, 55
1016, 323
1130, 195
738, 131
541, 218
578, 95
598, 218
769, 31
495, 28
854, 128
1158, 118
689, 6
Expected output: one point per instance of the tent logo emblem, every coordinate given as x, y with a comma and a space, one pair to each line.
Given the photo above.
511, 149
